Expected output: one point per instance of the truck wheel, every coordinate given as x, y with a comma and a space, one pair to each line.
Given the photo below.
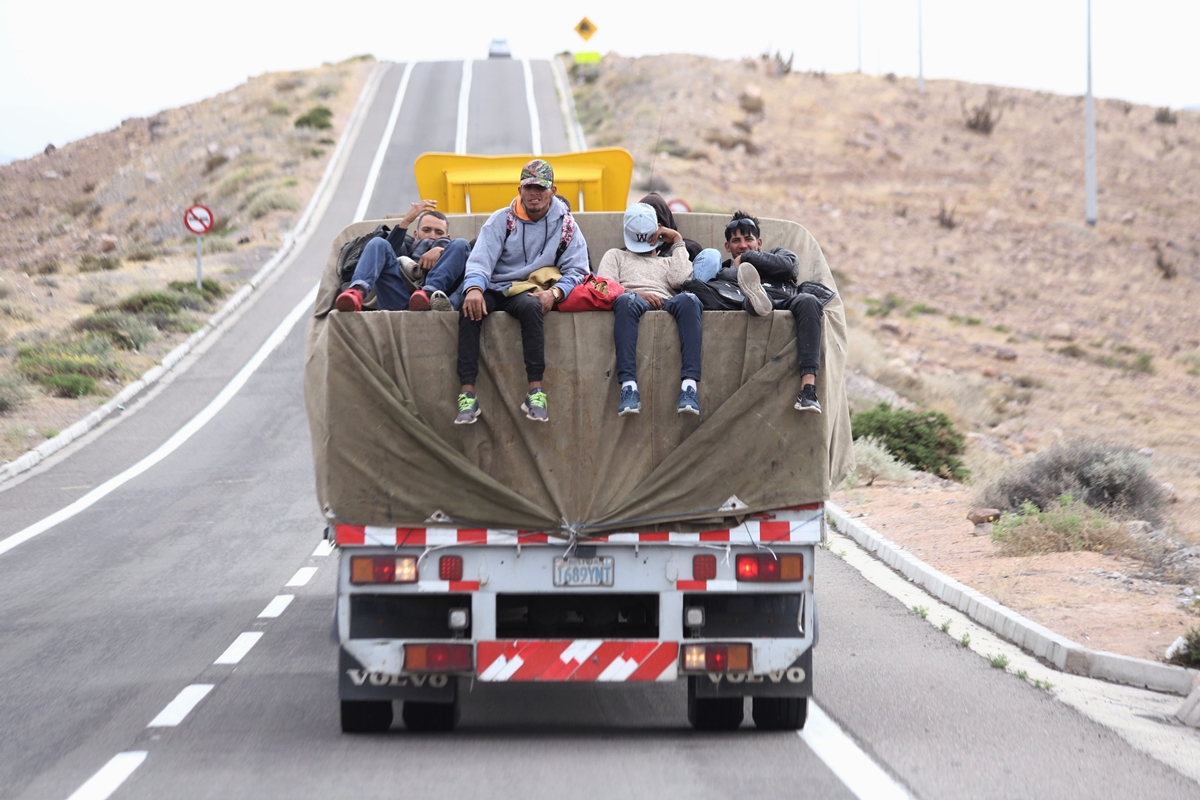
366, 716
780, 713
713, 713
429, 717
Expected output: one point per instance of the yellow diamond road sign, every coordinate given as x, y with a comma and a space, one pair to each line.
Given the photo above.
586, 28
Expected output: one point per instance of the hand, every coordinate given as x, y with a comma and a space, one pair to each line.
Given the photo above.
430, 258
737, 261
665, 234
655, 301
547, 299
415, 210
473, 307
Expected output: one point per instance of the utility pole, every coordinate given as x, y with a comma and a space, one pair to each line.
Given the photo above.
921, 52
860, 36
1091, 213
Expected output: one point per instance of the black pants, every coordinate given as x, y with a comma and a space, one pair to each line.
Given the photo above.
528, 311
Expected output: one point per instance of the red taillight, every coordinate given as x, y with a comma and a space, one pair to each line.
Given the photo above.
704, 568
766, 567
383, 569
716, 658
437, 658
450, 568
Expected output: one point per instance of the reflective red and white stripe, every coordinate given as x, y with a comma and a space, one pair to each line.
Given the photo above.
577, 660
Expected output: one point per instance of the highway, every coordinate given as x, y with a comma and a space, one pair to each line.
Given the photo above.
110, 615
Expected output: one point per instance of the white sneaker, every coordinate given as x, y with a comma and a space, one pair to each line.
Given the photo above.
439, 302
751, 286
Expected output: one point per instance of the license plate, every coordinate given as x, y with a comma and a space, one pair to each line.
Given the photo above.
583, 571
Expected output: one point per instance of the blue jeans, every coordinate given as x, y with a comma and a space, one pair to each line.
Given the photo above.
379, 269
706, 265
685, 308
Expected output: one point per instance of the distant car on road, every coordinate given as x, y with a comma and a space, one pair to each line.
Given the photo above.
499, 49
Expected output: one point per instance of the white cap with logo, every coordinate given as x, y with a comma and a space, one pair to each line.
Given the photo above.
641, 223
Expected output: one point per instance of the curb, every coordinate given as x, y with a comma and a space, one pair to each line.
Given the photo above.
1066, 655
48, 448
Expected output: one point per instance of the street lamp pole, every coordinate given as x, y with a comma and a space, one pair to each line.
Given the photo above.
1091, 212
860, 36
920, 52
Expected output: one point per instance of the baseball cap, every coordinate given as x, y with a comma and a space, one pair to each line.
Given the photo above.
537, 173
641, 223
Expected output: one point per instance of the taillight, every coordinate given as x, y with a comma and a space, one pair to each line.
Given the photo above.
383, 569
450, 568
704, 568
716, 658
766, 567
437, 658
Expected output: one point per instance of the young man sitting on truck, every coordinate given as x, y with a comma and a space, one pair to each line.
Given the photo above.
652, 282
768, 280
536, 232
441, 260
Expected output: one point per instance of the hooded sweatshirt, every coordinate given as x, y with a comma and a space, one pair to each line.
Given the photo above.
497, 260
667, 219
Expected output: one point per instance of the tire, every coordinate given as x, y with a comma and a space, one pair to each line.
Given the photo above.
366, 716
713, 713
429, 717
780, 713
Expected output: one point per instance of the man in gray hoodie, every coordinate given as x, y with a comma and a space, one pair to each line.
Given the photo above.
535, 232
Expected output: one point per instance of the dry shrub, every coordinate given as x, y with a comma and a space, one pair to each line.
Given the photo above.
873, 461
985, 117
1165, 116
1106, 477
1068, 525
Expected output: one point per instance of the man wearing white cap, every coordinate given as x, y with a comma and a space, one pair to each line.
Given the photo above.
652, 282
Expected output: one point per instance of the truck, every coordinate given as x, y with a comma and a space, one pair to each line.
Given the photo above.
595, 548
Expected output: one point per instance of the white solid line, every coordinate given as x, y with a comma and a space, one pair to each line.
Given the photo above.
241, 645
535, 124
302, 576
181, 706
373, 175
277, 606
323, 549
852, 766
110, 776
171, 445
464, 100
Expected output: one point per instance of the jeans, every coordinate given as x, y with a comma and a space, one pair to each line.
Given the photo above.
685, 308
528, 311
379, 269
706, 264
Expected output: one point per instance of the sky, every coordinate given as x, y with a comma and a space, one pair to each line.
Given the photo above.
75, 68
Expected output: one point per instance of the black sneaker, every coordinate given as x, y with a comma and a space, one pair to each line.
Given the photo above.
807, 399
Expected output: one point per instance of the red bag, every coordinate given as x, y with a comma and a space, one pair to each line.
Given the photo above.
593, 294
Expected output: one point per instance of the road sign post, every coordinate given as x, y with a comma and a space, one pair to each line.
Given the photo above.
198, 219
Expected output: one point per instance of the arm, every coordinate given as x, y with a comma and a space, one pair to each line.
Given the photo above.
486, 252
679, 266
778, 265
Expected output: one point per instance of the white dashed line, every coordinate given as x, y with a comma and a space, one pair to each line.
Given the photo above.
181, 706
302, 576
241, 645
323, 549
376, 165
464, 104
276, 606
851, 765
110, 776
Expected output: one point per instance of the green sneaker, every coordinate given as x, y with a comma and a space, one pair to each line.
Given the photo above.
534, 406
468, 409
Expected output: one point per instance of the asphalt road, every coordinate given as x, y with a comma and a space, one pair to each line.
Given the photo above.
108, 616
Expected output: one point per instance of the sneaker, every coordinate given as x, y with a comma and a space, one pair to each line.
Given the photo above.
439, 302
689, 403
807, 399
418, 301
349, 300
534, 406
631, 402
468, 409
751, 286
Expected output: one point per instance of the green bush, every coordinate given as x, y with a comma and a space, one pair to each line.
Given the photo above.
70, 385
925, 439
13, 392
209, 289
68, 368
318, 117
149, 303
1066, 526
1190, 655
272, 200
126, 331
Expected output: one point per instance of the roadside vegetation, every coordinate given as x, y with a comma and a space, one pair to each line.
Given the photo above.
926, 440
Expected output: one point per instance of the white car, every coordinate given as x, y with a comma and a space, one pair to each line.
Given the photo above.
499, 49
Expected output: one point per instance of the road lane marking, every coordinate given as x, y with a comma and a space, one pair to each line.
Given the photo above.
241, 645
464, 101
302, 576
323, 549
535, 124
277, 606
373, 175
110, 776
176, 441
851, 765
181, 706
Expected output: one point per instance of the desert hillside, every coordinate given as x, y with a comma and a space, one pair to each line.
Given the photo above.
973, 284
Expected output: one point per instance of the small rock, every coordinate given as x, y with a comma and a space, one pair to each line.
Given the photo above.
50, 148
1188, 591
153, 178
916, 505
1128, 217
213, 147
890, 327
751, 100
1148, 452
50, 175
108, 243
989, 372
1062, 331
982, 515
1172, 495
1175, 648
1139, 527
982, 529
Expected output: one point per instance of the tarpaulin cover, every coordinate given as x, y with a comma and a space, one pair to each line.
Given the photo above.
381, 390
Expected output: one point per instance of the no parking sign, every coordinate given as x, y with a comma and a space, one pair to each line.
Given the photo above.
198, 219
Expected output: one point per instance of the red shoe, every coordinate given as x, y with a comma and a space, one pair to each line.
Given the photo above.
419, 301
349, 300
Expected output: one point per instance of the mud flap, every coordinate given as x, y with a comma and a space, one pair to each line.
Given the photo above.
795, 681
356, 683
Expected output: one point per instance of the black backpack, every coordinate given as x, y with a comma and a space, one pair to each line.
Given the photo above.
352, 251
